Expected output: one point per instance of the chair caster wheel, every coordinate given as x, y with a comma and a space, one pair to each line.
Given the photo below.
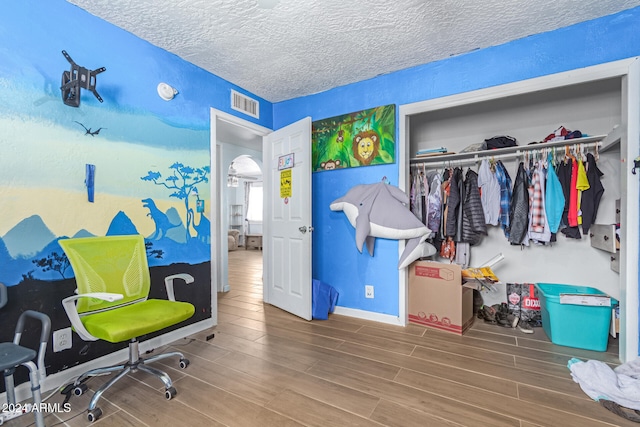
80, 389
184, 363
94, 415
170, 393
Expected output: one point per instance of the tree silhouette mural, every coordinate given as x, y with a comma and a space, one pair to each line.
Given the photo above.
153, 253
183, 182
53, 261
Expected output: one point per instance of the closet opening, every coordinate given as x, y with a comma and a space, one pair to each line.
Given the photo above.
599, 102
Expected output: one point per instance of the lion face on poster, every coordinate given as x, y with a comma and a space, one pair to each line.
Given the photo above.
365, 146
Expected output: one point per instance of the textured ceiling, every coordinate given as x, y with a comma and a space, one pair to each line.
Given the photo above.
300, 47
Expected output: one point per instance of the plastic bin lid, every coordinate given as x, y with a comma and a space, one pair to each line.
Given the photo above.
553, 290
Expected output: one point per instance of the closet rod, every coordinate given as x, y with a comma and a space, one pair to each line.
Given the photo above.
444, 161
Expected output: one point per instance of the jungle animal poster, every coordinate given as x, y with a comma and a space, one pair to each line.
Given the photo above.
363, 138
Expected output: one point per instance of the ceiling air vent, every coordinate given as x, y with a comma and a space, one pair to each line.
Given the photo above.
244, 104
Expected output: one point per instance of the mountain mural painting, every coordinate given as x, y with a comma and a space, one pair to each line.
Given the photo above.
45, 261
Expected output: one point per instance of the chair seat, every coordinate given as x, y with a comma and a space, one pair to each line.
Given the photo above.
132, 321
13, 355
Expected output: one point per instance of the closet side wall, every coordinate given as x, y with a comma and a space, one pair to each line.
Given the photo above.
593, 108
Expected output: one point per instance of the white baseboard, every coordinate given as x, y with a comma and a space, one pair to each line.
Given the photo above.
369, 315
23, 391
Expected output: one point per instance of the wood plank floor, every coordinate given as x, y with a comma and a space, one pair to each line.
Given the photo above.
266, 367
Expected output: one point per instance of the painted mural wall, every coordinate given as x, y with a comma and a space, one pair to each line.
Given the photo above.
150, 160
336, 260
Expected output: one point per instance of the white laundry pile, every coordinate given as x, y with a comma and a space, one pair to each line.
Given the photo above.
599, 381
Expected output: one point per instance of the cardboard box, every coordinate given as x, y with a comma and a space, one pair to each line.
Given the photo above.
437, 297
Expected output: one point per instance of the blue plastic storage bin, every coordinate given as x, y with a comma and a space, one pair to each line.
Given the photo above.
574, 325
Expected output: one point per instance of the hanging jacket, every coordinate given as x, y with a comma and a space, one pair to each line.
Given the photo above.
474, 225
505, 196
536, 202
564, 176
519, 210
554, 199
591, 197
444, 211
424, 190
459, 212
434, 204
489, 193
582, 185
454, 202
414, 195
572, 215
541, 235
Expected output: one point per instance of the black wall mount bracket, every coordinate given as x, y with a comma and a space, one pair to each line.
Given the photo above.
78, 78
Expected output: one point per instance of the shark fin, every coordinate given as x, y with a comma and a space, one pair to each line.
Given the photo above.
370, 243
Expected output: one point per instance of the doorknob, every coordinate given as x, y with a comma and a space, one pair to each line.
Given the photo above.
303, 229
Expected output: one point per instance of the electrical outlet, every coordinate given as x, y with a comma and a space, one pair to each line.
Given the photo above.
61, 339
368, 291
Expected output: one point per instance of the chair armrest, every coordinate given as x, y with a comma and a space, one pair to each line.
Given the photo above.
168, 283
44, 336
3, 295
69, 305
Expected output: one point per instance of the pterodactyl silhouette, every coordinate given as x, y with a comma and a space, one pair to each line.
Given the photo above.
88, 131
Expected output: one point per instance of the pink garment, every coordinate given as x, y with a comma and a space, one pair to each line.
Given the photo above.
572, 215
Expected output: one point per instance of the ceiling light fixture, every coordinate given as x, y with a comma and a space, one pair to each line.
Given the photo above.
232, 178
166, 92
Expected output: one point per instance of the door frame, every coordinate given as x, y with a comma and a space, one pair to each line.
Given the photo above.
628, 70
218, 178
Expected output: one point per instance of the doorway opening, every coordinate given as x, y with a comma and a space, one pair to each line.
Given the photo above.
245, 204
244, 198
241, 203
288, 285
236, 159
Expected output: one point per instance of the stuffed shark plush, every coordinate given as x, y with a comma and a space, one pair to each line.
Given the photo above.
382, 210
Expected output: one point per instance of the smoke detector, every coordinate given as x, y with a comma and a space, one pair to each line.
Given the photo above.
166, 92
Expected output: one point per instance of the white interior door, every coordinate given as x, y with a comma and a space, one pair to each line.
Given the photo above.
287, 219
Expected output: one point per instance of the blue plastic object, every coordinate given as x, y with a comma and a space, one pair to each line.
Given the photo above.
574, 325
323, 300
90, 173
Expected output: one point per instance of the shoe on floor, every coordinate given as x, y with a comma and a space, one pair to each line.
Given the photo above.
488, 313
621, 411
525, 328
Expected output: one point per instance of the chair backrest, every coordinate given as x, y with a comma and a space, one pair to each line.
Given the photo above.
115, 264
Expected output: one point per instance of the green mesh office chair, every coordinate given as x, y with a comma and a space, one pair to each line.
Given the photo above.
112, 304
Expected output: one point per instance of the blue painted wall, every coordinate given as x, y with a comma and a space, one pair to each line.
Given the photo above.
45, 149
39, 29
335, 258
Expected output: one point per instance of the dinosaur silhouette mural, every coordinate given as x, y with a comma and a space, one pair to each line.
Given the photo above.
163, 224
203, 228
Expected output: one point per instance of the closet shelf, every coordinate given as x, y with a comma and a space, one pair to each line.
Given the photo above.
605, 142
